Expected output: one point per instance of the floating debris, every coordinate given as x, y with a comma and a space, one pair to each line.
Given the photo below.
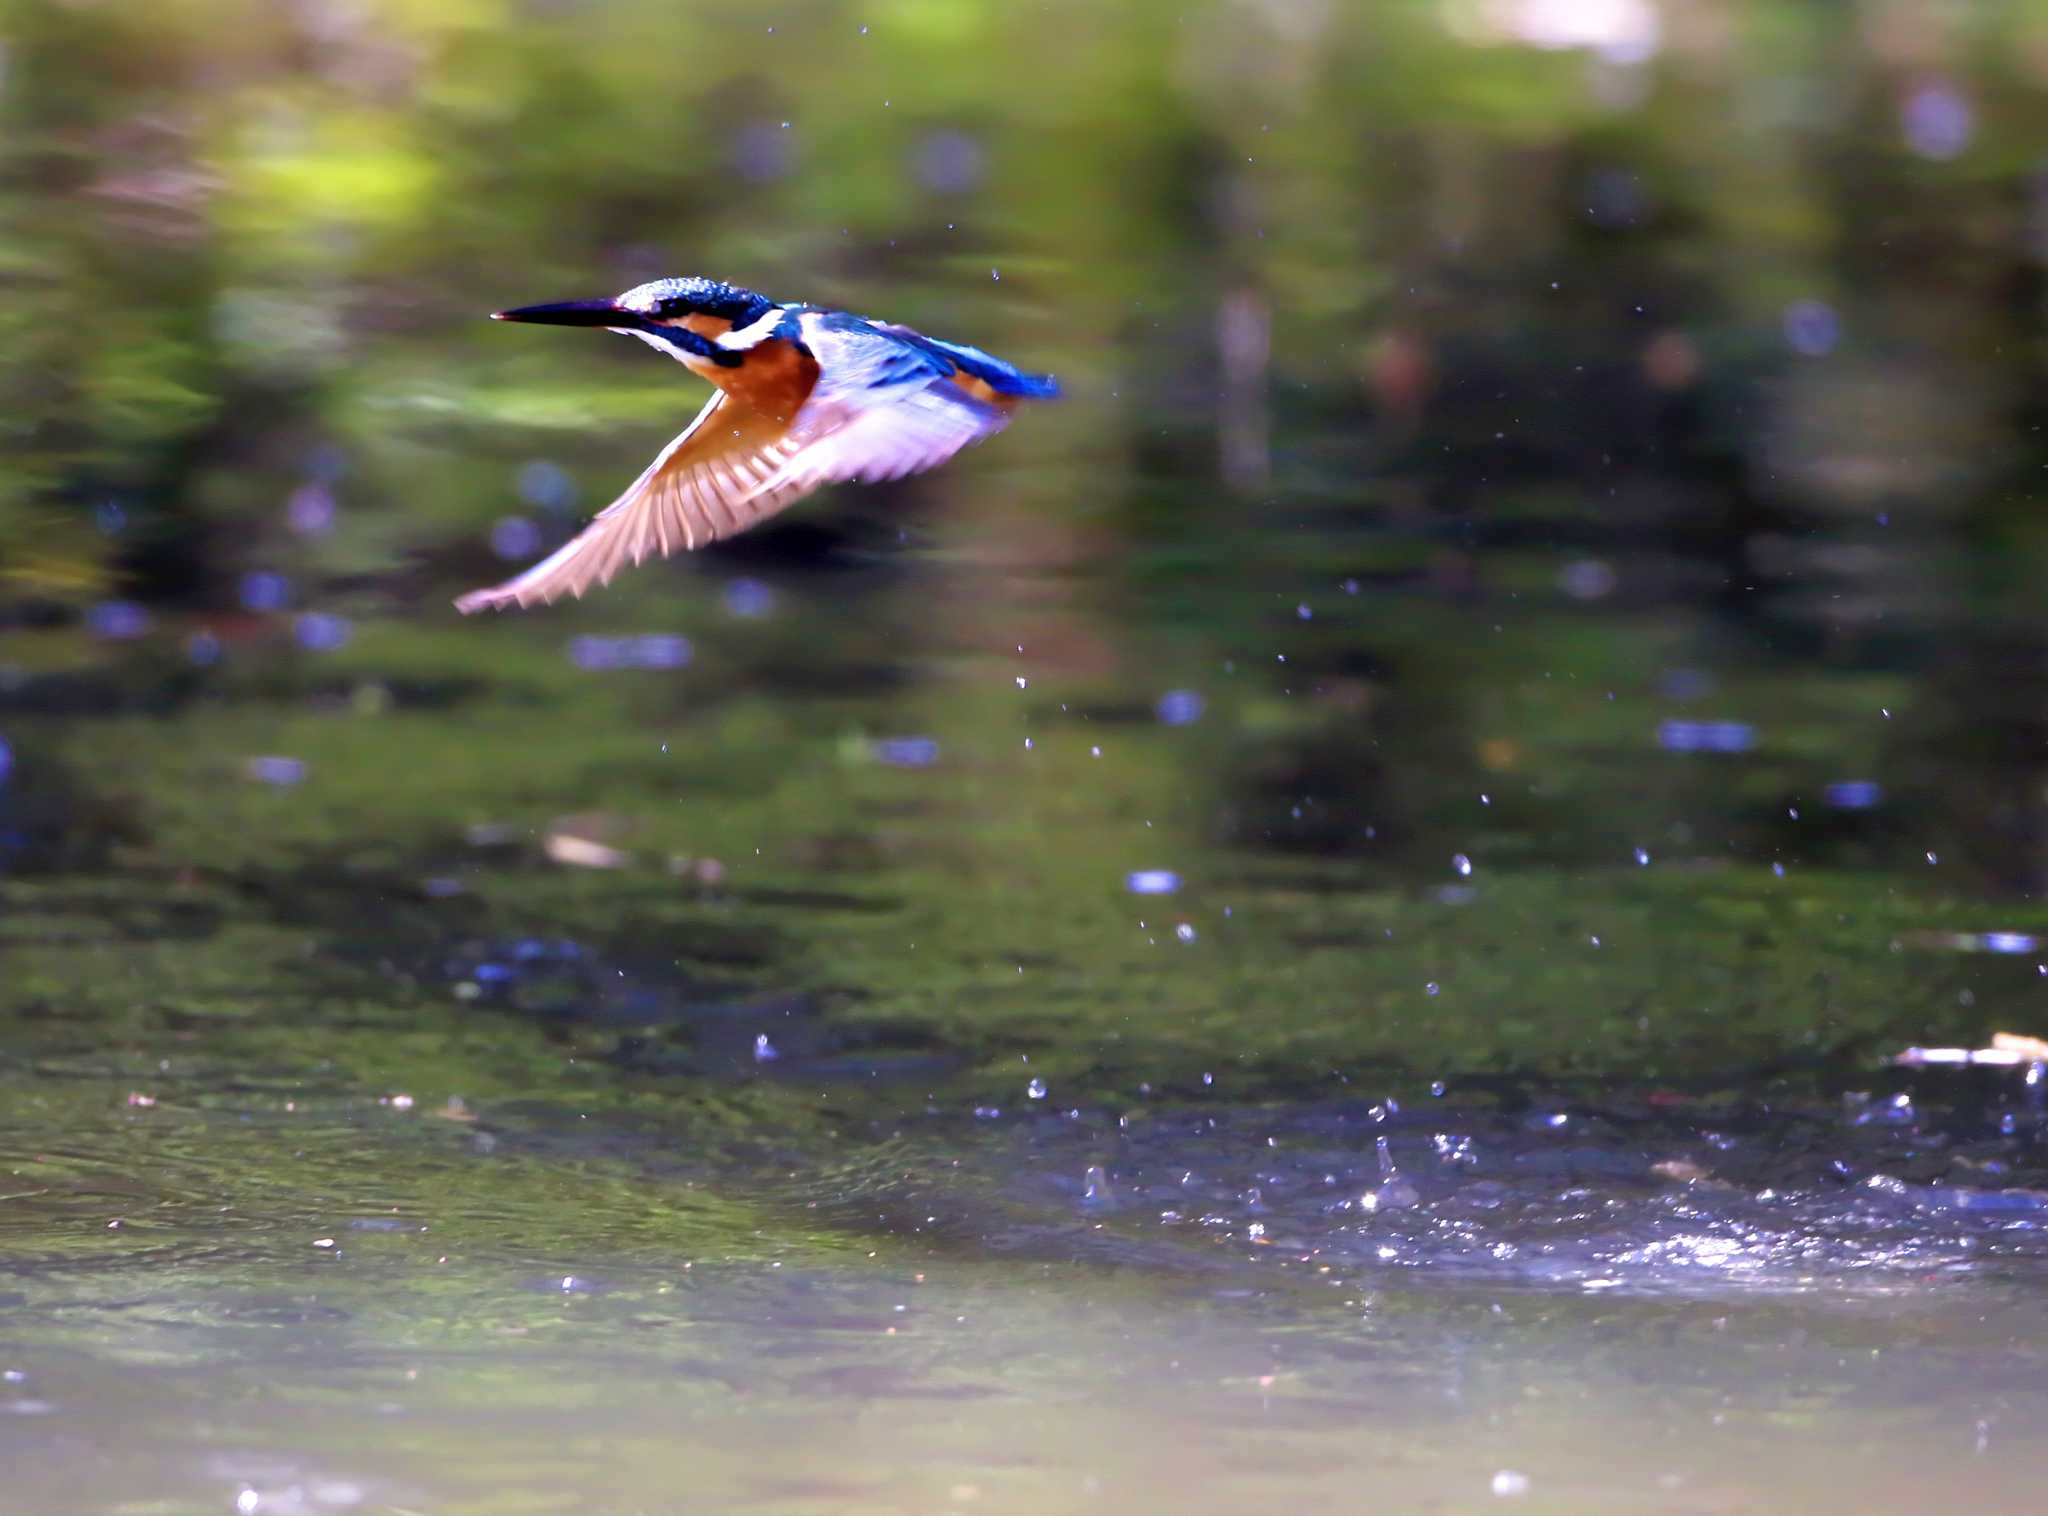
572, 841
581, 852
2007, 1050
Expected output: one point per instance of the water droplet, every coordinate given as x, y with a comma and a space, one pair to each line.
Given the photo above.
1035, 1089
1184, 932
1461, 865
1642, 858
1431, 988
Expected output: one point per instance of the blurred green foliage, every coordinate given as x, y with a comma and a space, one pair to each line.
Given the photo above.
237, 235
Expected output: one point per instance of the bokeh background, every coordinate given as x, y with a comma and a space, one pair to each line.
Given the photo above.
1532, 597
1513, 430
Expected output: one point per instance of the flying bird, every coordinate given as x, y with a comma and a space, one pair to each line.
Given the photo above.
805, 396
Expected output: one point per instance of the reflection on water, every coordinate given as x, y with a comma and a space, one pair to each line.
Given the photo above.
1331, 920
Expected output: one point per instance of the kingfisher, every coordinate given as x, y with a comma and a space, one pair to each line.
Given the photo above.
803, 397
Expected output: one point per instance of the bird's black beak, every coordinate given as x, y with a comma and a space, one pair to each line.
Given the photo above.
571, 313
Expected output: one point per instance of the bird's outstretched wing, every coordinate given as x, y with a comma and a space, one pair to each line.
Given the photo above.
713, 481
870, 407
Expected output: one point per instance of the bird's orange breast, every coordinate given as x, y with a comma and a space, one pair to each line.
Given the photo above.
776, 378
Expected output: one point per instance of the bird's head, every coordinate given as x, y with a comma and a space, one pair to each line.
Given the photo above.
648, 308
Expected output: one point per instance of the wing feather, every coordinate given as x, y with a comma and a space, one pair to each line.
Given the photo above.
688, 496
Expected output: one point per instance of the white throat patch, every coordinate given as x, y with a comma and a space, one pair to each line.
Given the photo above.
742, 338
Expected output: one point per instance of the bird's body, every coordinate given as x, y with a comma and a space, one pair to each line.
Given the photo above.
804, 396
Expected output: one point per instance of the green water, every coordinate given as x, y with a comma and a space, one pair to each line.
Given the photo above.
1320, 924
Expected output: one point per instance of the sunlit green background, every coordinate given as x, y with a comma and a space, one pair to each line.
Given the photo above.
1533, 591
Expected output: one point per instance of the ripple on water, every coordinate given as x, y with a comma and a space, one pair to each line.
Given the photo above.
1602, 1201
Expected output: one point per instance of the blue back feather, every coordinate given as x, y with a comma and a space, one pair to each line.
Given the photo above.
1003, 378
